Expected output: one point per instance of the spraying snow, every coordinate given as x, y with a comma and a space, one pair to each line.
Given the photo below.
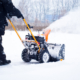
69, 23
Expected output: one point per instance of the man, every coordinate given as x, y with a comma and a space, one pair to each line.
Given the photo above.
7, 10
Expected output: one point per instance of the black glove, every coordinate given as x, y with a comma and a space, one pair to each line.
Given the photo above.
16, 13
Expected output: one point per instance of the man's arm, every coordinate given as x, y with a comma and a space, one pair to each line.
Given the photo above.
11, 9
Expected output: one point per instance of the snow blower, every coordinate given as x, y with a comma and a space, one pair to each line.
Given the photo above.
36, 47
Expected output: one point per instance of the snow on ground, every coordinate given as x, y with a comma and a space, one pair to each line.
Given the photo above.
69, 69
61, 70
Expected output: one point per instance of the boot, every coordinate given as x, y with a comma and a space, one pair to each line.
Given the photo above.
5, 62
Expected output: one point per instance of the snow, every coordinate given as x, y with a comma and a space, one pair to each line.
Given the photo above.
16, 2
61, 70
68, 23
69, 69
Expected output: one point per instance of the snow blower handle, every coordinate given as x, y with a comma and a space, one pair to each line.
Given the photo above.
31, 33
15, 30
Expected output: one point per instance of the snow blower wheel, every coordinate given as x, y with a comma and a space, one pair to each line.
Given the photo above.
44, 56
25, 56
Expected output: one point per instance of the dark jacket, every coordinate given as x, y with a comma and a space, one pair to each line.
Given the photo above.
3, 14
7, 9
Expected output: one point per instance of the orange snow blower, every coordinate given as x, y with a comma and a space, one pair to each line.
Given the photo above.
36, 47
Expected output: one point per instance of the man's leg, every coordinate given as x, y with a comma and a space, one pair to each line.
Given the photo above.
2, 57
3, 60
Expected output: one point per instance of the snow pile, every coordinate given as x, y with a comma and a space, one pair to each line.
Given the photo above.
70, 23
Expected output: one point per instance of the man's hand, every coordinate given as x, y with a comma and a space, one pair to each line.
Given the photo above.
16, 13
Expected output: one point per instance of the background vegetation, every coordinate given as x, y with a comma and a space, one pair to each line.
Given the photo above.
41, 13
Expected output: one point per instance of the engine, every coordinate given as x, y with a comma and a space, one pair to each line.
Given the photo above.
32, 47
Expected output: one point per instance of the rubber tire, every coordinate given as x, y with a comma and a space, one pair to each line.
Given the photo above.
25, 56
40, 57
